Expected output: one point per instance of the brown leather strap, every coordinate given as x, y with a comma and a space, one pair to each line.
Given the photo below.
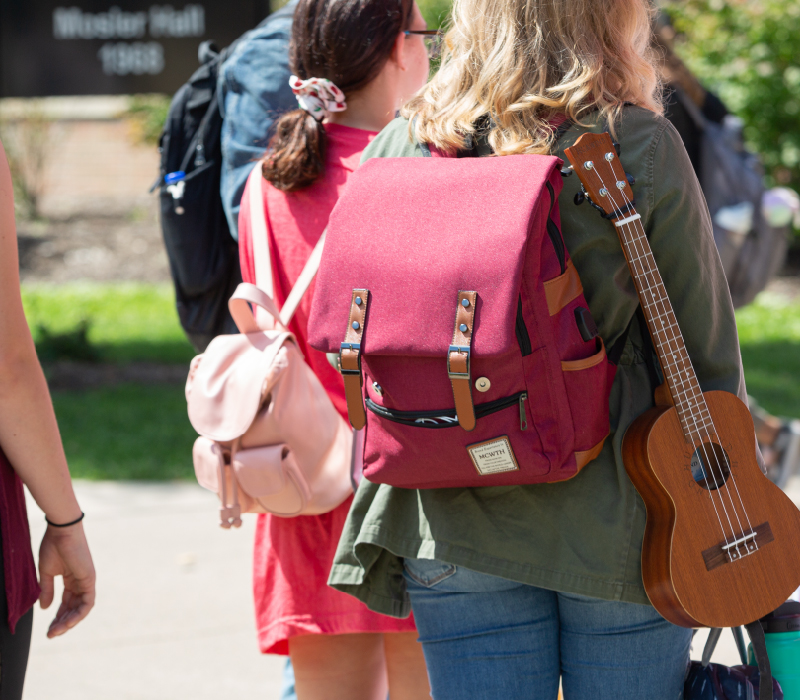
458, 359
350, 359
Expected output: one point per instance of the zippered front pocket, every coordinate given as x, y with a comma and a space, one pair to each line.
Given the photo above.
447, 418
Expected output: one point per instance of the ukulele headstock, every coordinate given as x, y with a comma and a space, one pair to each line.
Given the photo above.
594, 159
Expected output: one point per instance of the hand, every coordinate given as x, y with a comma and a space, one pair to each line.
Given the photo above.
65, 552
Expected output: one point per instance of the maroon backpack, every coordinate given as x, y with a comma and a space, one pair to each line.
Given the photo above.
464, 339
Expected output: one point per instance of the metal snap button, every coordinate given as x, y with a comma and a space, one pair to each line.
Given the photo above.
463, 328
483, 384
356, 325
377, 388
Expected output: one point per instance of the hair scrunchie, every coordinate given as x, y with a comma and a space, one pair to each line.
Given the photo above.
318, 96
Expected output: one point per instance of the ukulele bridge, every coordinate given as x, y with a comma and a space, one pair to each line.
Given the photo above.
744, 545
748, 540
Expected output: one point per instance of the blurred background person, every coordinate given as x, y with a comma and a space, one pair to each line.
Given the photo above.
751, 231
348, 90
752, 225
254, 91
30, 441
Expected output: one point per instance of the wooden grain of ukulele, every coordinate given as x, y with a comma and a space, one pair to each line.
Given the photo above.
722, 542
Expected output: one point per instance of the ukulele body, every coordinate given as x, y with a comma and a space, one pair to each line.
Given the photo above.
688, 575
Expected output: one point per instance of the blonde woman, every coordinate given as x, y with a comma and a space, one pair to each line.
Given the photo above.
514, 588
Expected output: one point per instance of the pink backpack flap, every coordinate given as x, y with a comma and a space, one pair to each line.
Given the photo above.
465, 341
271, 440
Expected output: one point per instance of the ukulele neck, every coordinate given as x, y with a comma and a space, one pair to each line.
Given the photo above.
667, 338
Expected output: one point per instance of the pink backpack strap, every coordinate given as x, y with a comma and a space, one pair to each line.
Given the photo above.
242, 313
262, 261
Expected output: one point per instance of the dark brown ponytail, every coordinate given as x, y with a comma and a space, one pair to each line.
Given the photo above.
347, 42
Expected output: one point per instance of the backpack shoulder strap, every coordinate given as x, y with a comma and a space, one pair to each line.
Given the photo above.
261, 256
303, 281
258, 233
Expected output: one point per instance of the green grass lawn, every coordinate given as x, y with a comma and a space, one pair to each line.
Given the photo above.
124, 322
126, 432
769, 334
119, 432
142, 432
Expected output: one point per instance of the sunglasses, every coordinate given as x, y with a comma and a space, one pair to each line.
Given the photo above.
432, 38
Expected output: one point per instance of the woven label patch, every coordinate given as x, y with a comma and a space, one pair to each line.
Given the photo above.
493, 456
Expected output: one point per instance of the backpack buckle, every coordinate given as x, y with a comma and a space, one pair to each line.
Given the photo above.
460, 349
352, 347
350, 350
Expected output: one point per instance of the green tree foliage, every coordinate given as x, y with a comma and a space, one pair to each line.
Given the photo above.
747, 51
147, 114
435, 11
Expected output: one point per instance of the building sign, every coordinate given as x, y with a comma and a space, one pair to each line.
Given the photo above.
97, 47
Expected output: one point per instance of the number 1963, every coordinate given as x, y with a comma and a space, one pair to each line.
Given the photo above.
137, 58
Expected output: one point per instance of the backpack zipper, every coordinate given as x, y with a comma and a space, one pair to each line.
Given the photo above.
447, 417
523, 420
523, 338
555, 235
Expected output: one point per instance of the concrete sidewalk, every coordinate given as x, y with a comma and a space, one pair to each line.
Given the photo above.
174, 616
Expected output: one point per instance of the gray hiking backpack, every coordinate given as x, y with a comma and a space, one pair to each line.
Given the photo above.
732, 180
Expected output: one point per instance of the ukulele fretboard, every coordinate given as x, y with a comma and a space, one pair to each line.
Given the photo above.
667, 338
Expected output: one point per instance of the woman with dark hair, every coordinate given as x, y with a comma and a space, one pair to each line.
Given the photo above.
355, 62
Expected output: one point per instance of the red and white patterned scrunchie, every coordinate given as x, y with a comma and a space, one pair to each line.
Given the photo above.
318, 96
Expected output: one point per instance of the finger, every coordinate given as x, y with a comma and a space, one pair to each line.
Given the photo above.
79, 613
46, 583
73, 609
67, 619
59, 625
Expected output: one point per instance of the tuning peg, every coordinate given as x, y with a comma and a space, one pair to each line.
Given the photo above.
617, 148
579, 199
566, 171
631, 179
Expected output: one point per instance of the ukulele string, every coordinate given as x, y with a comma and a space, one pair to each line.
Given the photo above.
735, 486
704, 428
635, 255
640, 283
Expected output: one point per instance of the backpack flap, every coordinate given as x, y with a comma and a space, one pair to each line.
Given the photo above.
225, 385
416, 232
446, 290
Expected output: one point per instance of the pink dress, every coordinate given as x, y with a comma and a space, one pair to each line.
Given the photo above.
293, 556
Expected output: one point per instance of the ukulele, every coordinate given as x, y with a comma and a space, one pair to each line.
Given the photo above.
722, 542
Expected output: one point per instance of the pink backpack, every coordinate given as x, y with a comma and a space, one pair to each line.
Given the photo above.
271, 440
465, 341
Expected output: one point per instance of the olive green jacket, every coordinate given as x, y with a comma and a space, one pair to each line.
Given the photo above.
583, 535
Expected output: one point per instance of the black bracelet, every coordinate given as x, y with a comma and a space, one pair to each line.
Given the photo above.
74, 522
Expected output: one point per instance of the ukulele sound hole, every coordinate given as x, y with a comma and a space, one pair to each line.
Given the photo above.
710, 466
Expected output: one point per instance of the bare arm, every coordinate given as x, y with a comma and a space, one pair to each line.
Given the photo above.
30, 438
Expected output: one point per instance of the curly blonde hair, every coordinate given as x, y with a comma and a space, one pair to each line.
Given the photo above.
511, 65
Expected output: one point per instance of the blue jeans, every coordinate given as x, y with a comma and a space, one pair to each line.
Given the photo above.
487, 637
287, 682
